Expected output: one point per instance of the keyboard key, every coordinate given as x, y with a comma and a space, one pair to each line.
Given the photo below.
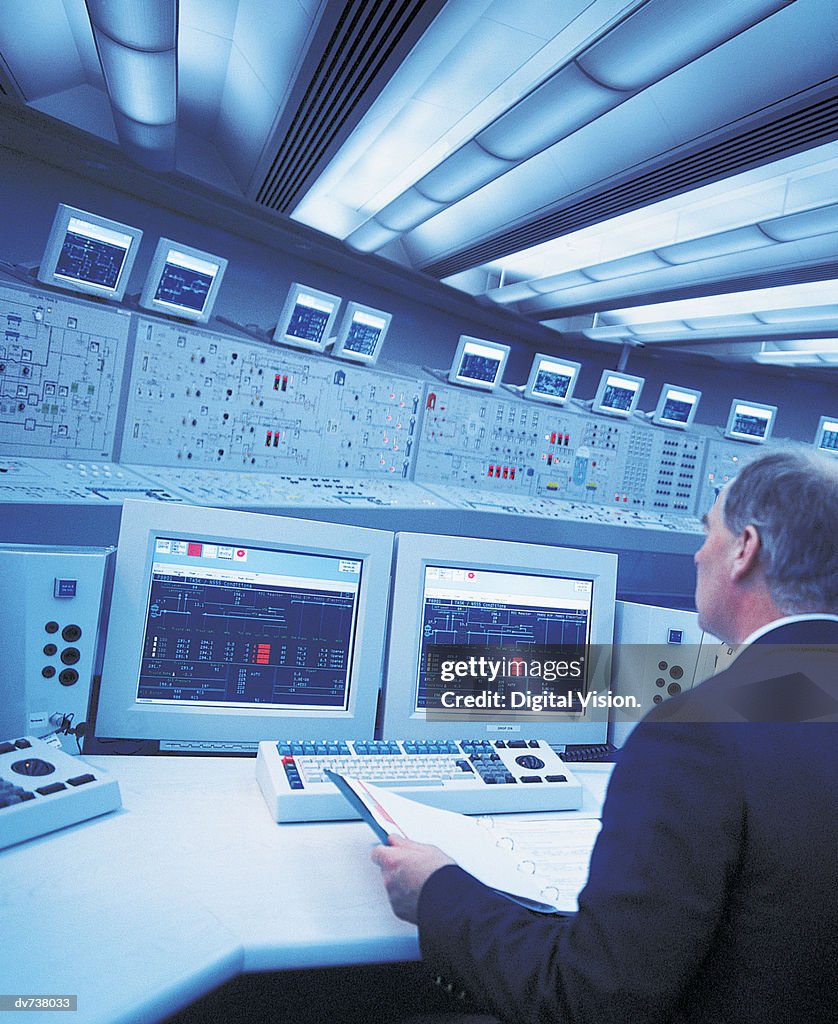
53, 787
80, 780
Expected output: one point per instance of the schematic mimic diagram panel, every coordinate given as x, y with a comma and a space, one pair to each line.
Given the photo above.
198, 398
723, 461
508, 446
61, 365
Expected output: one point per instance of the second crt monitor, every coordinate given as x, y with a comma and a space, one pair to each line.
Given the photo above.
483, 631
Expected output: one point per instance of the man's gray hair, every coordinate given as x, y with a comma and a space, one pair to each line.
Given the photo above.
791, 497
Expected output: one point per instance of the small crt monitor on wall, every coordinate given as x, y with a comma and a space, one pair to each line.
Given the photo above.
676, 406
236, 627
182, 281
826, 439
552, 380
361, 334
617, 394
478, 363
750, 421
89, 254
307, 318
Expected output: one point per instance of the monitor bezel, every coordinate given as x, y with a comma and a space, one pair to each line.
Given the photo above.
733, 435
539, 396
413, 554
155, 272
340, 349
622, 414
294, 292
55, 243
818, 440
119, 713
454, 376
658, 417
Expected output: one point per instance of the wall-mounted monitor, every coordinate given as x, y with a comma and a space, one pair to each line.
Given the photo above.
89, 254
551, 380
458, 598
182, 281
750, 421
676, 406
826, 438
478, 363
307, 318
361, 333
233, 627
617, 394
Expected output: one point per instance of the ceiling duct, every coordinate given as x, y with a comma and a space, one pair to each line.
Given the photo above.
367, 39
805, 128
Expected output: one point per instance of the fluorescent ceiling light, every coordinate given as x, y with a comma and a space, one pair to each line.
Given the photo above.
137, 50
788, 297
653, 41
789, 199
787, 358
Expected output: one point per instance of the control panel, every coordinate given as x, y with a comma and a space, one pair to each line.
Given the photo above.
723, 460
508, 446
52, 600
61, 365
197, 398
231, 489
190, 414
54, 481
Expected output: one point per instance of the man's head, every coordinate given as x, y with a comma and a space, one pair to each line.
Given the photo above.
770, 545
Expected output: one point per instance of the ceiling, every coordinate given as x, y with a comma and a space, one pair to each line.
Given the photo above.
658, 173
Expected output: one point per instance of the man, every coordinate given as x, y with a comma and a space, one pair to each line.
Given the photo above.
712, 887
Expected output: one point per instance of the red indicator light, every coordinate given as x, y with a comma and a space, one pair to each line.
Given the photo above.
194, 550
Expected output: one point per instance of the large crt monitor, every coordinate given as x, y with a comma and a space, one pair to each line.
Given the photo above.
232, 627
548, 610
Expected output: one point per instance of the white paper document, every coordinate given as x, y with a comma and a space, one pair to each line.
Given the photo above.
541, 862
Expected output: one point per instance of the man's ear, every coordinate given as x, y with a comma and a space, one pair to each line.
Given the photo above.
746, 556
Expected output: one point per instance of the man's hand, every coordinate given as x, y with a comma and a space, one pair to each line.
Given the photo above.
406, 866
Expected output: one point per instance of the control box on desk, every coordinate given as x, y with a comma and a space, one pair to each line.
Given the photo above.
52, 603
657, 654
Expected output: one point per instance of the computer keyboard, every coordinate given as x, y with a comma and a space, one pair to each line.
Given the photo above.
470, 776
43, 789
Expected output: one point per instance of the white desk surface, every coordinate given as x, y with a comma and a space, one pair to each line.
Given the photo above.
191, 883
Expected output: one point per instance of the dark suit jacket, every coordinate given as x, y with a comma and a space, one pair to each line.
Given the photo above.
713, 887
